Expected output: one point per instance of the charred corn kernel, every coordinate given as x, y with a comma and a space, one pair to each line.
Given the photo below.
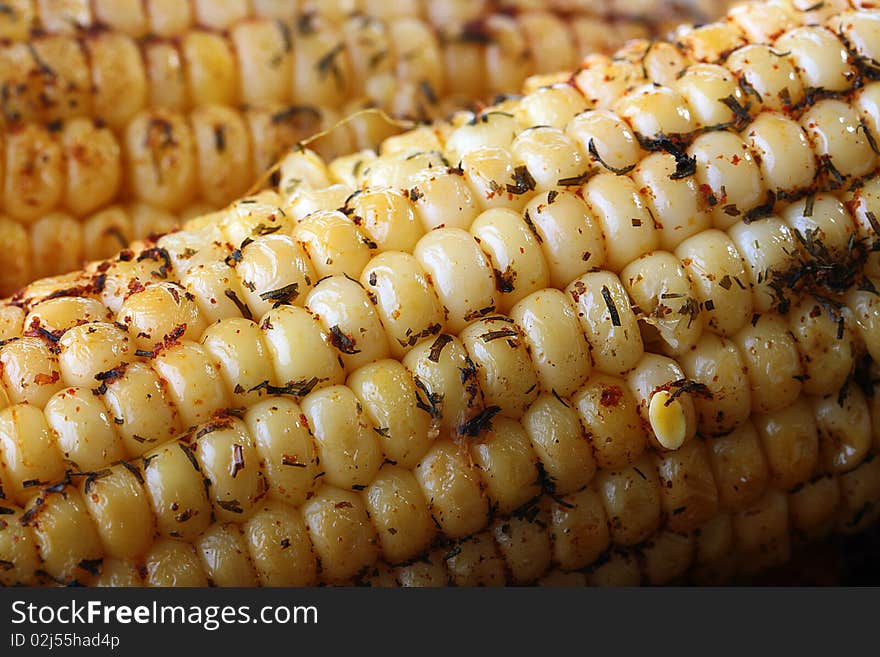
812, 508
229, 461
160, 155
34, 173
117, 503
105, 232
524, 545
56, 245
728, 175
89, 353
385, 389
620, 569
791, 443
29, 451
48, 79
407, 303
772, 362
609, 414
431, 571
825, 341
503, 367
17, 22
347, 314
347, 447
739, 467
399, 512
659, 286
69, 545
559, 353
84, 429
446, 255
514, 253
236, 347
712, 94
342, 537
609, 141
94, 167
452, 489
448, 389
119, 84
762, 532
715, 269
571, 239
842, 148
667, 555
264, 60
559, 441
709, 43
674, 202
15, 241
768, 249
631, 499
717, 364
158, 312
388, 219
606, 316
475, 561
286, 447
859, 492
19, 549
127, 398
117, 573
863, 305
766, 23
222, 148
579, 528
861, 202
508, 465
225, 557
272, 268
279, 546
688, 492
64, 313
333, 243
300, 349
174, 563
177, 490
654, 111
844, 430
191, 381
31, 372
624, 219
549, 155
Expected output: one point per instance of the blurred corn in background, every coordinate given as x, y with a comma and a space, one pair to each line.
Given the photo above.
621, 329
120, 118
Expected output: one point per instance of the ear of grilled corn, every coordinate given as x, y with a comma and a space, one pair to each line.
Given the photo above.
184, 105
585, 336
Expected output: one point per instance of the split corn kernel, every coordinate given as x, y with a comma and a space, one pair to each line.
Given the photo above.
697, 478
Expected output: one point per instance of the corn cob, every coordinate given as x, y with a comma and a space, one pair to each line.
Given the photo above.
608, 376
